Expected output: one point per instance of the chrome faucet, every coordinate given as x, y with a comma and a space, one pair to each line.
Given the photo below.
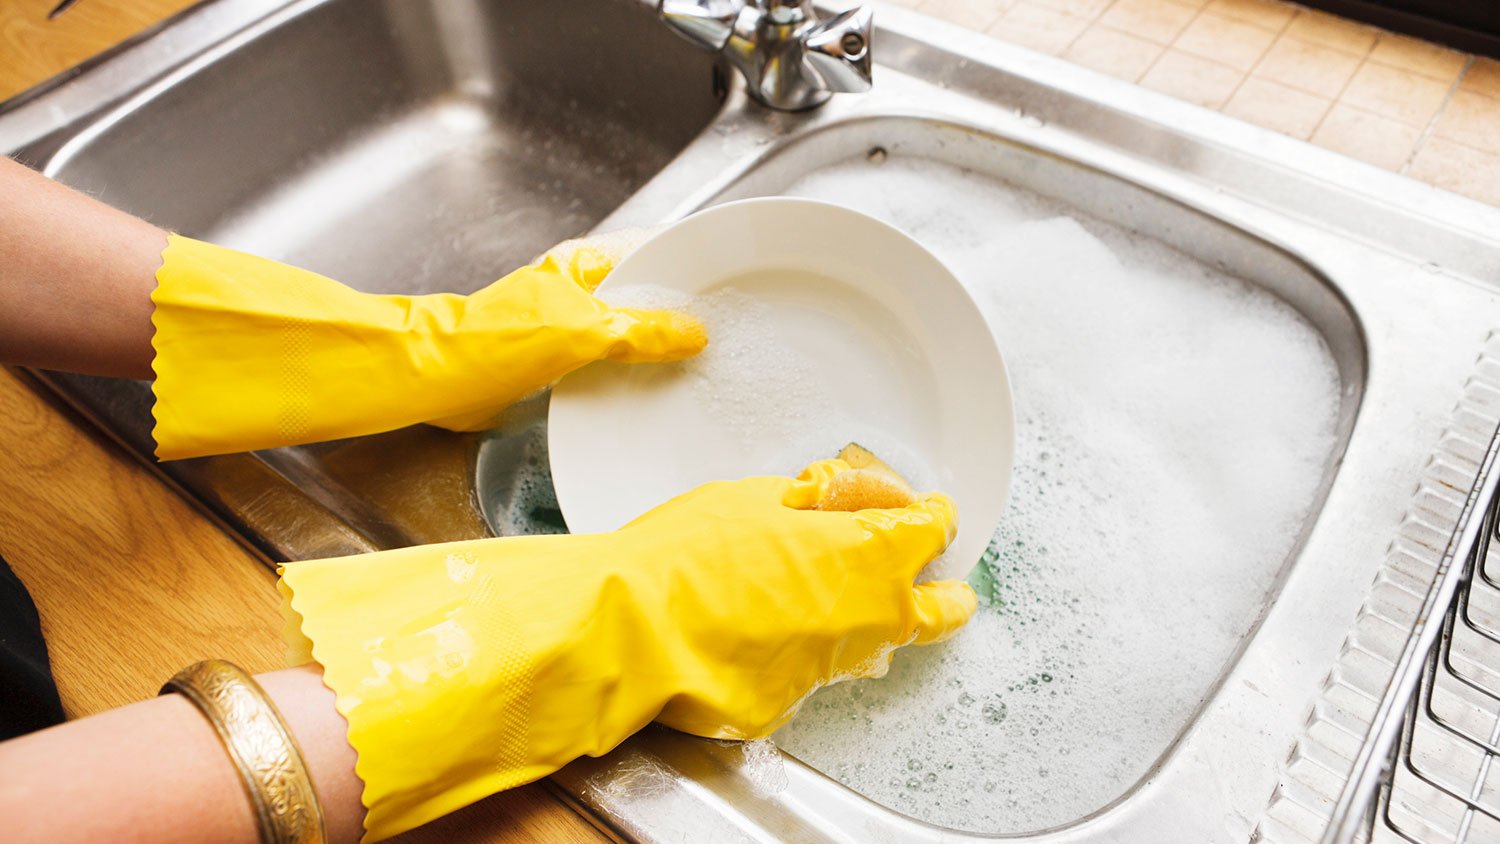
790, 59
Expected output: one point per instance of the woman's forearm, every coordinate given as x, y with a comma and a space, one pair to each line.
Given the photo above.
75, 279
155, 771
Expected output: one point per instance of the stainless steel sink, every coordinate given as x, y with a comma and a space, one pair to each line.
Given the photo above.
434, 146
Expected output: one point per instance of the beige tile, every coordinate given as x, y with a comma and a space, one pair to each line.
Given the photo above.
1332, 31
1112, 52
1267, 14
1419, 56
1038, 27
1078, 8
1471, 119
1195, 79
974, 14
910, 4
1225, 40
1312, 67
1398, 94
1154, 20
1367, 136
1471, 172
1276, 106
1483, 77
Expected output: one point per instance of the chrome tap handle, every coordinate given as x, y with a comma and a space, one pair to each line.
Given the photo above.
839, 49
790, 60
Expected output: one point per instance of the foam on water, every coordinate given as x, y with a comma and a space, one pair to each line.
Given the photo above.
515, 483
1173, 428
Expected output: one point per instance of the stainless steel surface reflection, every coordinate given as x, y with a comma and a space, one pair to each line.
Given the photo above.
432, 146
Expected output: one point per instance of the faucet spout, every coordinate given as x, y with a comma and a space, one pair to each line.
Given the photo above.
791, 60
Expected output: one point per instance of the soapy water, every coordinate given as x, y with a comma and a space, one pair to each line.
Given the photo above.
1173, 425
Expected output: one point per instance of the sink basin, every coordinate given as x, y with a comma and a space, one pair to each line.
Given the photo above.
1144, 333
432, 147
458, 140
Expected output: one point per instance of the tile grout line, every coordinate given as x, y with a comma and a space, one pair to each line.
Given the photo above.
1343, 89
1278, 32
1432, 122
1092, 22
1245, 77
1358, 57
1169, 46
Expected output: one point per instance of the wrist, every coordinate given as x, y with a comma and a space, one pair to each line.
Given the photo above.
309, 709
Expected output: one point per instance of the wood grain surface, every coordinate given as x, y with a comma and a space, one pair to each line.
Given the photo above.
33, 48
132, 582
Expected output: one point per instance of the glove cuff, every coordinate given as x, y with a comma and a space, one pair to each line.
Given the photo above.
439, 655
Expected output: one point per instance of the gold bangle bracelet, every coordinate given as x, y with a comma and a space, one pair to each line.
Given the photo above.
262, 748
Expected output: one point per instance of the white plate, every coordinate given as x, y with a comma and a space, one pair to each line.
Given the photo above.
840, 328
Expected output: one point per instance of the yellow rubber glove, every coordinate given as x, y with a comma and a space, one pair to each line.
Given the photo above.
254, 354
472, 667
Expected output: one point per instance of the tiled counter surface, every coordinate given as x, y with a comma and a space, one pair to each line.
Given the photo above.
1397, 102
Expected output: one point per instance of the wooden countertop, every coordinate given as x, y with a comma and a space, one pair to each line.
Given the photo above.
132, 581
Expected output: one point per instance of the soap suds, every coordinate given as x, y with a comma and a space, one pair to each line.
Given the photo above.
765, 767
1173, 424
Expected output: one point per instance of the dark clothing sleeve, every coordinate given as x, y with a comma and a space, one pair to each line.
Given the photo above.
28, 697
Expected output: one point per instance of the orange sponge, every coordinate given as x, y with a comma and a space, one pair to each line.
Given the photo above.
868, 483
